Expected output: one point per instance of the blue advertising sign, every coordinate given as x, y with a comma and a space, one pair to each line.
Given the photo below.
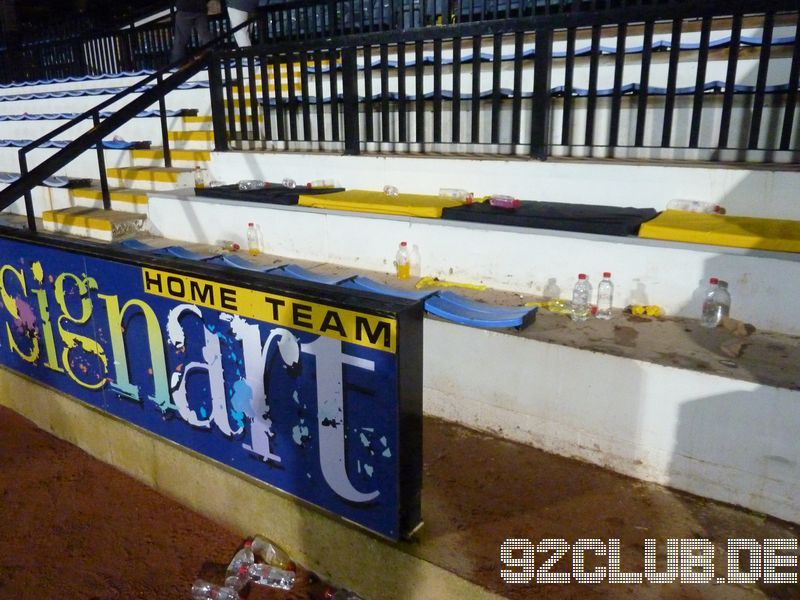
313, 390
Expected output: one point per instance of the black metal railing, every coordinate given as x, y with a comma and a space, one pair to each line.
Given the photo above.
528, 86
78, 52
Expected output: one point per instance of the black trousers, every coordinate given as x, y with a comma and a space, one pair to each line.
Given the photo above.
185, 22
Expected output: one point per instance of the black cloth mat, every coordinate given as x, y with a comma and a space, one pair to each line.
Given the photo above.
273, 193
583, 218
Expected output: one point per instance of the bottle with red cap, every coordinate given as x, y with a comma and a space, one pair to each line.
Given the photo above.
717, 303
402, 261
581, 298
605, 297
253, 247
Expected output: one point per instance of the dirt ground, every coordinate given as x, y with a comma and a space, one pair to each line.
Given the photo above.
77, 528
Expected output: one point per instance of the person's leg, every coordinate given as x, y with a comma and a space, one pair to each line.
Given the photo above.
201, 26
183, 33
237, 17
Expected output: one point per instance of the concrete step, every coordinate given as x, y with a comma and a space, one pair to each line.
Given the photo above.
192, 140
153, 178
154, 157
98, 224
122, 199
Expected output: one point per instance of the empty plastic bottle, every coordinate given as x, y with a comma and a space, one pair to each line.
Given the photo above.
506, 202
240, 580
581, 298
332, 593
289, 183
391, 190
605, 297
322, 183
228, 245
456, 194
267, 575
415, 261
253, 247
203, 590
244, 557
271, 553
251, 184
697, 206
402, 261
717, 303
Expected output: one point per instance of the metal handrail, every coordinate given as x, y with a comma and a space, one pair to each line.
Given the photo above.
29, 179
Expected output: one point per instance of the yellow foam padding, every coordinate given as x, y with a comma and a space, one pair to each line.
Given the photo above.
409, 205
723, 230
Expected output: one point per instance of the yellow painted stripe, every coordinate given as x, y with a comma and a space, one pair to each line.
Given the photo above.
298, 86
197, 119
189, 155
76, 220
146, 174
116, 196
191, 136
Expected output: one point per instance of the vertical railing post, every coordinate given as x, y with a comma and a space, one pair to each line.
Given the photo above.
217, 103
540, 109
350, 91
23, 171
162, 111
101, 165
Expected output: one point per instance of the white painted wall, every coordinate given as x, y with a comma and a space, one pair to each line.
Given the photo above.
720, 438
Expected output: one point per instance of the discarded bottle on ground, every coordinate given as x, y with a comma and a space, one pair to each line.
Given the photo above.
506, 202
332, 593
253, 247
244, 557
271, 553
240, 580
251, 184
402, 261
267, 575
203, 590
456, 194
697, 206
581, 298
605, 297
717, 303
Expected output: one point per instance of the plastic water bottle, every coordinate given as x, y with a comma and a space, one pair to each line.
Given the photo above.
605, 297
253, 247
506, 202
203, 590
391, 191
289, 183
244, 557
456, 194
581, 298
340, 594
271, 553
270, 576
697, 206
415, 262
251, 184
322, 183
228, 245
240, 580
717, 303
199, 179
402, 261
